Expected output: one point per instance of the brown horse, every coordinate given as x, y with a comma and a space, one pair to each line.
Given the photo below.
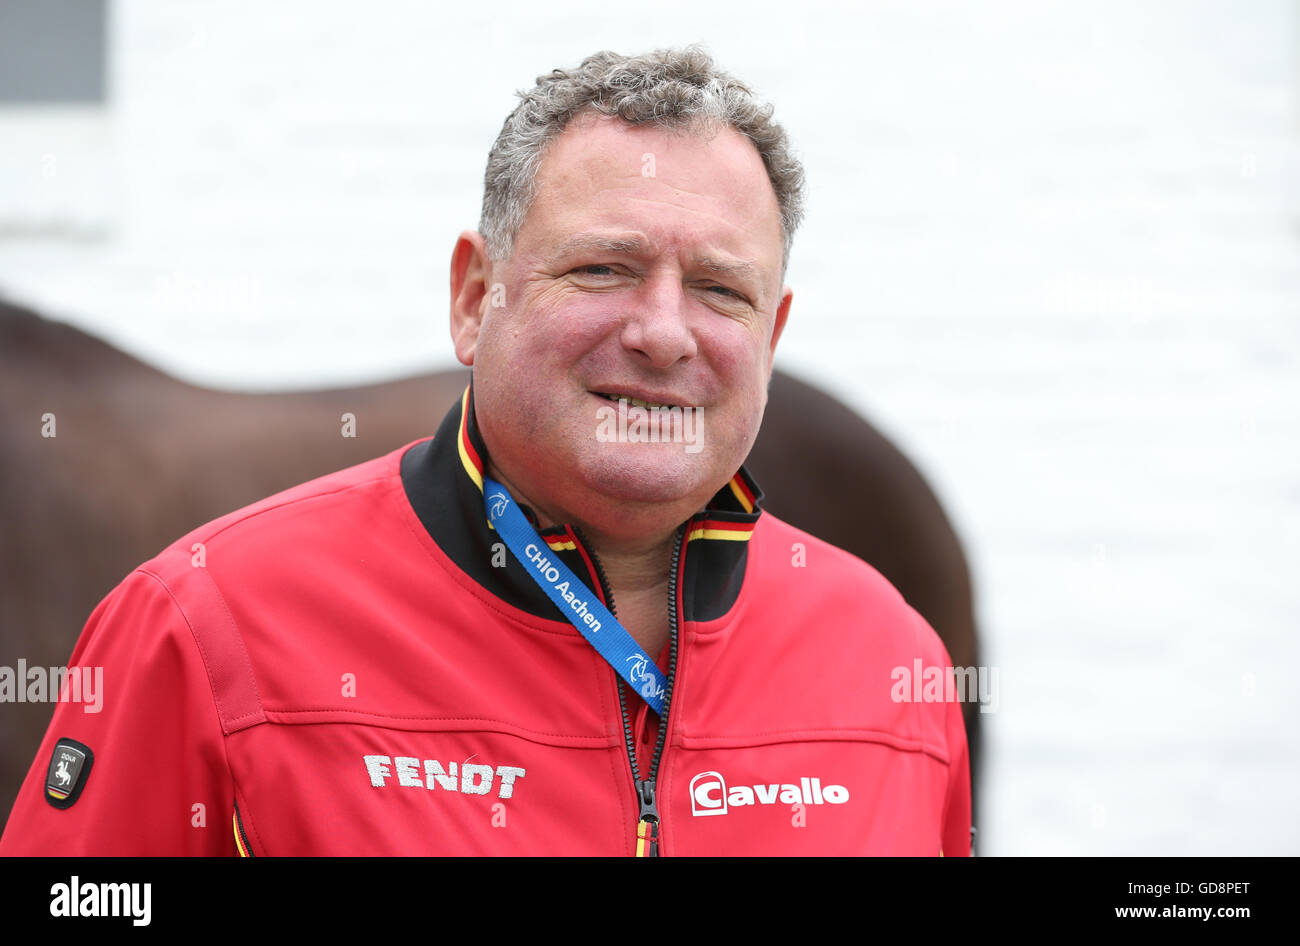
105, 460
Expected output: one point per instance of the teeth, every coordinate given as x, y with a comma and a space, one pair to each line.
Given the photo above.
635, 401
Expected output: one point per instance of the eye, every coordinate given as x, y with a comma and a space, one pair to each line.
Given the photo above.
726, 292
587, 270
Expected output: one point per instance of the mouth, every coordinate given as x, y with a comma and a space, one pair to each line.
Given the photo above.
647, 403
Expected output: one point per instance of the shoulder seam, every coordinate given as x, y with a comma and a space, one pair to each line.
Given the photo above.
250, 516
227, 663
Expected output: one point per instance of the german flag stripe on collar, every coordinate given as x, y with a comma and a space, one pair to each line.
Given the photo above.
742, 491
560, 543
470, 457
724, 531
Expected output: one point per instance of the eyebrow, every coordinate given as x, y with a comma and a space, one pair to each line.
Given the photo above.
590, 241
742, 269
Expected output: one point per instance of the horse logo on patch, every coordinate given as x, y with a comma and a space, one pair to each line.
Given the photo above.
69, 768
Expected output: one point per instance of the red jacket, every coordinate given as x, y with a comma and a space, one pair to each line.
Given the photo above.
351, 667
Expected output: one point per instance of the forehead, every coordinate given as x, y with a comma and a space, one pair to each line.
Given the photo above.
702, 187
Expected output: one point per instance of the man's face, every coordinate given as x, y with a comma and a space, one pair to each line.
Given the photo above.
649, 266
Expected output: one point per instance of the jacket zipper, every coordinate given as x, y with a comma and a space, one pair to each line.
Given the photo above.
647, 827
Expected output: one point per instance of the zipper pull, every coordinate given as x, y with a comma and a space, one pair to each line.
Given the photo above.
647, 829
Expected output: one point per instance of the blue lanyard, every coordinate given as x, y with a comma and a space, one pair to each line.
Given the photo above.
575, 600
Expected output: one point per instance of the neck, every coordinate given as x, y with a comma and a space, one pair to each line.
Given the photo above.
639, 583
637, 569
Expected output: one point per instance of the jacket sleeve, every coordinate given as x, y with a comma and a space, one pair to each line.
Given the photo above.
949, 726
159, 781
956, 809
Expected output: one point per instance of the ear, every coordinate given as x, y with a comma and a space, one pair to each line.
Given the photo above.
470, 271
782, 313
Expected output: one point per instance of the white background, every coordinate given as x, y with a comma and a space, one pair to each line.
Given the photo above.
1051, 248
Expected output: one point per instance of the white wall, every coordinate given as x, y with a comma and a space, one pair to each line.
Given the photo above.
1052, 247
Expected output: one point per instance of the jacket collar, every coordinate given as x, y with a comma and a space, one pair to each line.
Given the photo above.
443, 480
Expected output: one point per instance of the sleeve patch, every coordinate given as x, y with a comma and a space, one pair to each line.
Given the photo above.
70, 765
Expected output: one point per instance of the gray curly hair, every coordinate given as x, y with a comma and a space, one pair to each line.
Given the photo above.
672, 88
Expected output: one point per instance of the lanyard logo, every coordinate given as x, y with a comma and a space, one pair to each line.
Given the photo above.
644, 680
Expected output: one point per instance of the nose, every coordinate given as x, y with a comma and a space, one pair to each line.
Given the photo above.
657, 325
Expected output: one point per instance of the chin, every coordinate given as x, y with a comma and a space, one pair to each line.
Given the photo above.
652, 473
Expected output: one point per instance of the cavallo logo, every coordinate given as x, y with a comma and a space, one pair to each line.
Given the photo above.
710, 795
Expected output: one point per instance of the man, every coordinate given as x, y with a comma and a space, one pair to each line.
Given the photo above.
467, 646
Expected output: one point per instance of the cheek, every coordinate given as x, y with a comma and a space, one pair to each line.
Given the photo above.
738, 360
549, 329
